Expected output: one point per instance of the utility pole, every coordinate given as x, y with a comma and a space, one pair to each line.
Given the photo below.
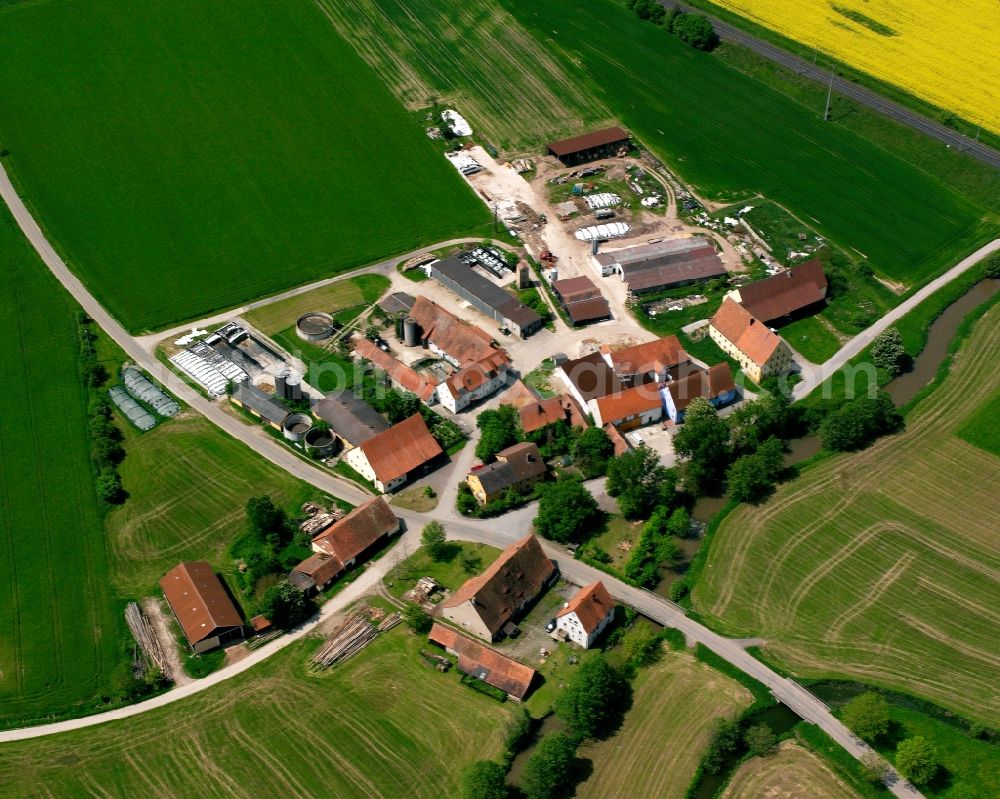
496, 212
829, 96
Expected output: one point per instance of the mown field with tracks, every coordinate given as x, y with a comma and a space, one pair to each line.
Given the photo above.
882, 566
665, 734
191, 156
791, 773
60, 626
383, 724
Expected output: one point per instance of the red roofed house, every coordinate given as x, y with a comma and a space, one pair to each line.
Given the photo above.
784, 295
634, 407
401, 375
483, 663
484, 604
652, 362
391, 458
617, 440
541, 412
203, 607
344, 544
582, 300
584, 617
759, 350
716, 385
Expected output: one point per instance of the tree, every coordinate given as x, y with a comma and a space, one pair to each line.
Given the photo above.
916, 759
640, 482
286, 606
95, 375
484, 779
746, 480
499, 430
703, 444
858, 423
266, 520
109, 486
417, 620
679, 524
760, 740
567, 511
470, 562
399, 405
551, 770
874, 767
887, 351
867, 716
433, 538
594, 700
591, 452
724, 740
696, 30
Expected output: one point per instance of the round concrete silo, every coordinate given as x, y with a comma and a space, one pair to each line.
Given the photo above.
411, 332
293, 386
281, 384
319, 442
315, 326
296, 426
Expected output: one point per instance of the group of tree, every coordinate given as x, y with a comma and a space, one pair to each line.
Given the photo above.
590, 449
567, 511
888, 353
751, 478
640, 483
484, 779
286, 606
694, 29
392, 403
553, 769
657, 545
499, 429
702, 444
105, 438
270, 545
856, 424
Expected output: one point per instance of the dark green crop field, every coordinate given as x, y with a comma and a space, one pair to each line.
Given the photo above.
733, 136
187, 156
60, 626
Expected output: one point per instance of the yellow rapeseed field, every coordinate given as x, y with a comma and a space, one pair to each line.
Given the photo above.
947, 53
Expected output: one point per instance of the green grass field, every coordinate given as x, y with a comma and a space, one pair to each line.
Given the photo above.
791, 773
475, 55
983, 427
734, 137
658, 748
60, 624
360, 290
188, 484
188, 156
881, 566
381, 725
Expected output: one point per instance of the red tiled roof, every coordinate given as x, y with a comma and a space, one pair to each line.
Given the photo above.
630, 402
575, 288
398, 372
475, 374
653, 356
621, 445
750, 336
464, 342
487, 664
535, 415
717, 381
518, 395
358, 530
592, 604
401, 449
321, 567
785, 293
597, 138
515, 577
582, 299
199, 600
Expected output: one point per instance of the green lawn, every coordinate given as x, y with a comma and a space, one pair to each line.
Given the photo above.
188, 483
983, 427
811, 338
60, 623
383, 724
361, 290
862, 569
448, 572
190, 156
733, 136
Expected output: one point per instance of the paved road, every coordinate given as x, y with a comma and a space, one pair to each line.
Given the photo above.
496, 532
814, 377
842, 86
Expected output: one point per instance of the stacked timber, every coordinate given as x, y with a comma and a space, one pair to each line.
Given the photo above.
145, 636
351, 637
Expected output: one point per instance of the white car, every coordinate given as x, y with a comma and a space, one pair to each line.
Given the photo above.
636, 438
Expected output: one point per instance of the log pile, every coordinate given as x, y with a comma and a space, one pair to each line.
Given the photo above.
389, 622
349, 638
145, 636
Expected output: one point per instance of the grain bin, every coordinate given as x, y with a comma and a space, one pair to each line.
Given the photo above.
281, 384
293, 386
296, 426
411, 332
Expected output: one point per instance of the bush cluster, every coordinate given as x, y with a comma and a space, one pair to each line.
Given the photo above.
693, 29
